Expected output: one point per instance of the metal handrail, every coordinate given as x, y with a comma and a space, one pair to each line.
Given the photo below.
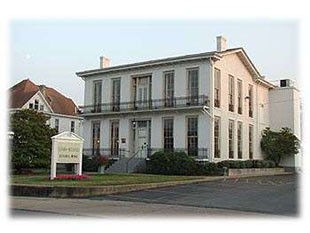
135, 154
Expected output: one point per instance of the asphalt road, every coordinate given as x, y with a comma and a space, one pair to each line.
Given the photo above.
276, 195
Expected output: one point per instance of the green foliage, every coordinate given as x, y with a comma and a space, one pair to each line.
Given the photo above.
91, 164
169, 163
31, 144
275, 145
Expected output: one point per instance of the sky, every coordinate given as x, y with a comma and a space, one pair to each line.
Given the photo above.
51, 51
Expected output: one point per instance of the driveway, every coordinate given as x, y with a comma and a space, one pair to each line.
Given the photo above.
277, 195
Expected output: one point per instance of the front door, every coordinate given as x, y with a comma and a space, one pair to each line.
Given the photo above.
142, 138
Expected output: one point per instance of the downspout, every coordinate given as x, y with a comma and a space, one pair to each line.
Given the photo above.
211, 107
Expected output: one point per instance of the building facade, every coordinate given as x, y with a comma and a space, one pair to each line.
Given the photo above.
210, 105
62, 111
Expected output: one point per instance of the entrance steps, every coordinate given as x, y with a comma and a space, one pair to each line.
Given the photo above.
126, 165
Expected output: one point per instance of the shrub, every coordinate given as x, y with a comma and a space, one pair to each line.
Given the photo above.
171, 163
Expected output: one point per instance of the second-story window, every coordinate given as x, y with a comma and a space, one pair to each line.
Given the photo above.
231, 93
97, 95
57, 125
193, 85
142, 87
72, 126
250, 98
239, 86
116, 94
169, 88
217, 88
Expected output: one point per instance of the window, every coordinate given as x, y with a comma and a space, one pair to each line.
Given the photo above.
250, 101
231, 139
250, 141
239, 133
231, 93
116, 94
72, 126
168, 134
192, 136
36, 104
97, 95
31, 105
41, 107
96, 138
217, 88
114, 130
169, 88
57, 125
217, 151
193, 86
239, 86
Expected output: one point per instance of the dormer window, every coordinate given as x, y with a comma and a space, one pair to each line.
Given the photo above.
41, 107
36, 104
31, 106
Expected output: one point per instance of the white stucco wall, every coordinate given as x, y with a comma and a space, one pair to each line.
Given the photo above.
284, 108
232, 65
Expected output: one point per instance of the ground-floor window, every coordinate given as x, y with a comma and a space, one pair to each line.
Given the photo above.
231, 139
168, 133
239, 132
250, 141
217, 151
192, 135
96, 138
114, 132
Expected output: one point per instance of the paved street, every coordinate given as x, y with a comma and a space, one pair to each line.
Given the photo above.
270, 194
245, 197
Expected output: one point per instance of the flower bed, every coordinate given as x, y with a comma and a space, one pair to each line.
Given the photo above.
71, 177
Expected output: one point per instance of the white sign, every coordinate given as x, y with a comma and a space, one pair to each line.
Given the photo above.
68, 152
67, 147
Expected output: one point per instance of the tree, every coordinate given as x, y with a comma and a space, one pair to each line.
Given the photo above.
275, 145
31, 144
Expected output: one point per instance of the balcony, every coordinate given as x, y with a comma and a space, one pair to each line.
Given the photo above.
150, 105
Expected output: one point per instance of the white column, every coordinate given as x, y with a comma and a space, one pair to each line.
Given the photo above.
53, 161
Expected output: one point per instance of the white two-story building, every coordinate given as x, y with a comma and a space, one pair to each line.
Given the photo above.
212, 105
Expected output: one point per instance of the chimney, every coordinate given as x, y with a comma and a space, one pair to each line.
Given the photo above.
104, 62
220, 43
42, 89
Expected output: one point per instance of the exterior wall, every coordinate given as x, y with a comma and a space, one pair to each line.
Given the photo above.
284, 107
157, 82
232, 65
38, 97
64, 120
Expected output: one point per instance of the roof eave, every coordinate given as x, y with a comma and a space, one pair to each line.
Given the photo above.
153, 63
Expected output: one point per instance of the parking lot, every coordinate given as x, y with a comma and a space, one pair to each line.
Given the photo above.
278, 195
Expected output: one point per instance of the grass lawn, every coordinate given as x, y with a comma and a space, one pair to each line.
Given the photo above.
99, 180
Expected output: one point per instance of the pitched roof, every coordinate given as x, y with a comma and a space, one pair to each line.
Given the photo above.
24, 90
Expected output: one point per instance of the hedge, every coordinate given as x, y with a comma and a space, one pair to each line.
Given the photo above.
179, 163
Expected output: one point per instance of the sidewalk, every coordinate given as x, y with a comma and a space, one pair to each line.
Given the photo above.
116, 209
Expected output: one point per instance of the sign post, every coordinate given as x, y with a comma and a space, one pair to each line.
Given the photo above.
67, 147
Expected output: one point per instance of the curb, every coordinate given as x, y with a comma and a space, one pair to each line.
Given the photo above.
90, 191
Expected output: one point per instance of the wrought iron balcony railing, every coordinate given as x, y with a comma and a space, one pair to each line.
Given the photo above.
177, 102
199, 153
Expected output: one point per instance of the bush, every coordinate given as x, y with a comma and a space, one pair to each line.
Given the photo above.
171, 163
